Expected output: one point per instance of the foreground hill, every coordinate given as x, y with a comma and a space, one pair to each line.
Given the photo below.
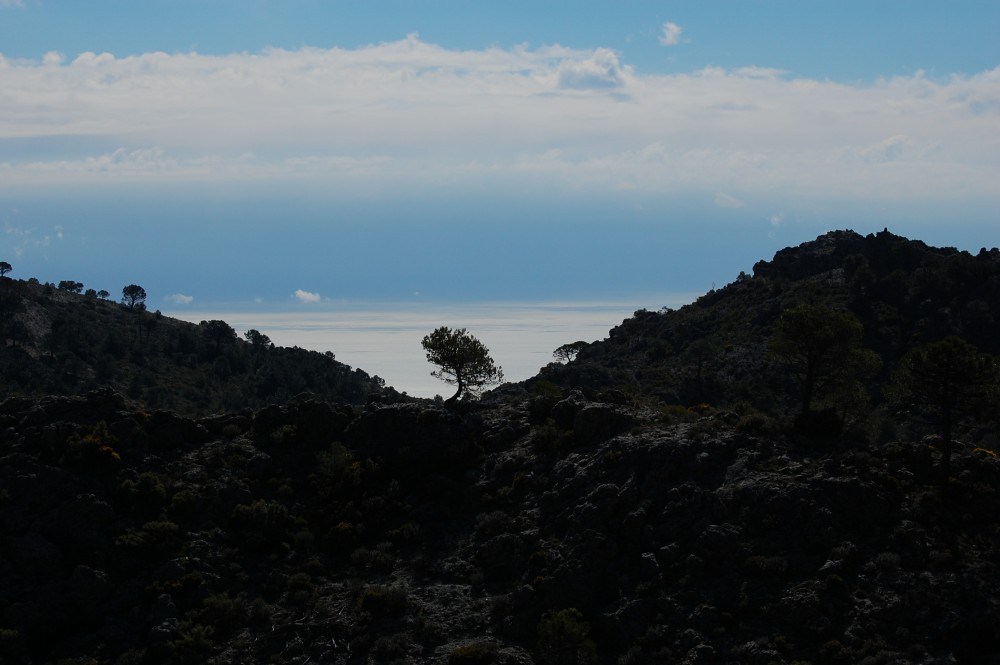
660, 499
904, 293
539, 529
53, 341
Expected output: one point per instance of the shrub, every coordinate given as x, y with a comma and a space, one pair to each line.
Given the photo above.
262, 523
672, 414
337, 469
301, 588
406, 533
383, 600
154, 538
145, 495
563, 637
185, 505
427, 631
131, 657
887, 561
96, 448
285, 435
12, 645
392, 648
373, 558
475, 653
222, 612
548, 440
756, 424
546, 388
191, 644
489, 525
766, 565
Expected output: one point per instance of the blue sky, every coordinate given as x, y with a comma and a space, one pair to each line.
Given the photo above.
304, 154
844, 41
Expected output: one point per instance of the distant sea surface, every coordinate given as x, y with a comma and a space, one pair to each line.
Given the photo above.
384, 339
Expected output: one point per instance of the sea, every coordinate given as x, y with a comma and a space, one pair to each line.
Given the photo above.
384, 339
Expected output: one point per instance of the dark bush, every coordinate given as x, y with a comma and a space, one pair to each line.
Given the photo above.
474, 653
564, 638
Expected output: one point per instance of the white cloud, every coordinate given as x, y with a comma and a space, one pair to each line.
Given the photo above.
759, 72
412, 115
180, 299
90, 59
307, 297
23, 240
724, 200
891, 149
599, 72
671, 35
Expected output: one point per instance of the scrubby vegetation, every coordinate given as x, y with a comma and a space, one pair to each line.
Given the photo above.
847, 306
666, 496
57, 341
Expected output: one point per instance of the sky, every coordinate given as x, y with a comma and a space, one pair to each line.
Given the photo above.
307, 155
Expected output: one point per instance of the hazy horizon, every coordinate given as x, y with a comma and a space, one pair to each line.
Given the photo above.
293, 156
384, 339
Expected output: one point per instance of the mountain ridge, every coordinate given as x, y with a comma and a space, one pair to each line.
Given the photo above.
727, 331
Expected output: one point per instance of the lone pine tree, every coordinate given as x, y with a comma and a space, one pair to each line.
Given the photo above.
462, 361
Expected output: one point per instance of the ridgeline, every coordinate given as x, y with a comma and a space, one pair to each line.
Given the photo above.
61, 342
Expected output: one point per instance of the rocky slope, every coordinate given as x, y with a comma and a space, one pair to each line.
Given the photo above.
530, 529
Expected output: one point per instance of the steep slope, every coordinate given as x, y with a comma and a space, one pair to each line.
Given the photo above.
716, 350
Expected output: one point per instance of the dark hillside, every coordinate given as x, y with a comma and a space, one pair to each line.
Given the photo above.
546, 529
717, 350
53, 341
800, 468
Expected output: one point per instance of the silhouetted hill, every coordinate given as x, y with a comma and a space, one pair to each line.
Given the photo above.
59, 342
904, 293
604, 520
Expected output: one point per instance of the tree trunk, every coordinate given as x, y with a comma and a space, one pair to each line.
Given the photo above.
458, 393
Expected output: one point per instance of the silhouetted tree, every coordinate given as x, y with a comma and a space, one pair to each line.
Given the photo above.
568, 352
463, 361
4, 268
71, 286
219, 332
103, 294
946, 380
133, 295
14, 331
699, 351
257, 339
90, 293
822, 349
10, 327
